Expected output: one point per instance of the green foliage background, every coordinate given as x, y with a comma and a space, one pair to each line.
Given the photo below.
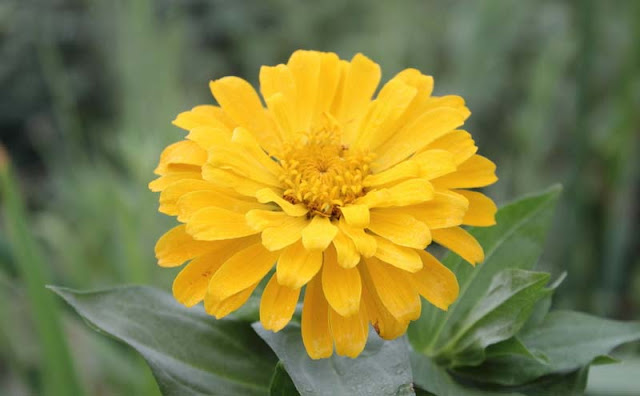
89, 88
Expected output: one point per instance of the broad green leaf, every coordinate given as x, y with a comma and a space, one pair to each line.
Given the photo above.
514, 242
541, 309
619, 379
498, 316
604, 360
433, 378
436, 380
512, 346
568, 339
422, 392
381, 369
281, 383
567, 384
189, 352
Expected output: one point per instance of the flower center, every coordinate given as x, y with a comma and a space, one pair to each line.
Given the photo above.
323, 174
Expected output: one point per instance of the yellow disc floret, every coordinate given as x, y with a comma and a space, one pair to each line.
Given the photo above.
322, 173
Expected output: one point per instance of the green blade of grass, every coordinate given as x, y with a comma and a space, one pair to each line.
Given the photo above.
57, 369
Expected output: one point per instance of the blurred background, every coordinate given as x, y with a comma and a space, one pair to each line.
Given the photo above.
89, 88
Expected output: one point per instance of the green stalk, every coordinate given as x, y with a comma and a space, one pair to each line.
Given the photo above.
57, 369
576, 202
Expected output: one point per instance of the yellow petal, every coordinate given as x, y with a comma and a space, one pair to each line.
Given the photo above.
336, 102
408, 192
424, 102
400, 228
401, 257
319, 233
477, 171
349, 333
244, 138
222, 308
364, 243
192, 202
356, 215
207, 136
434, 163
329, 77
408, 169
277, 79
183, 152
297, 265
190, 286
417, 135
170, 195
284, 114
435, 282
360, 82
279, 91
266, 195
385, 324
240, 271
435, 102
277, 305
459, 143
415, 78
424, 86
176, 246
234, 158
305, 67
261, 219
212, 224
460, 242
394, 289
203, 116
348, 255
316, 335
231, 180
342, 287
446, 209
380, 121
165, 181
284, 234
181, 168
482, 210
240, 101
425, 165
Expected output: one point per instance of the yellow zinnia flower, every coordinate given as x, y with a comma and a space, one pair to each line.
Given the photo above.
342, 191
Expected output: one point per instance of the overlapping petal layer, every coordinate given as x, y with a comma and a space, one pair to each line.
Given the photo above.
335, 191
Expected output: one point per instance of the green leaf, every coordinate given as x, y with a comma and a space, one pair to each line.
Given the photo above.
570, 340
433, 378
189, 352
515, 242
381, 369
621, 379
603, 360
541, 309
498, 316
436, 380
281, 383
513, 346
572, 383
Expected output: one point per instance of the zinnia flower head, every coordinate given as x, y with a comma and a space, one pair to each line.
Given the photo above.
338, 191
